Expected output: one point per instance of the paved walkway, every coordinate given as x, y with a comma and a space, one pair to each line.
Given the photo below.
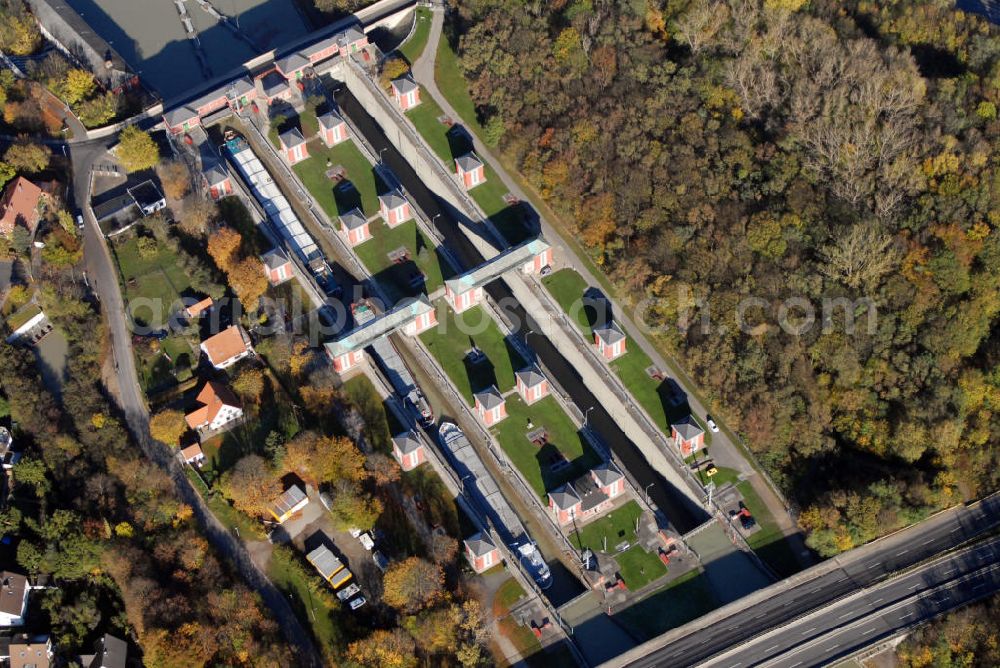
724, 449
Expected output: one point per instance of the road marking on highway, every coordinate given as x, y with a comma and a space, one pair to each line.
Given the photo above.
902, 552
795, 664
875, 565
770, 648
915, 586
955, 529
909, 614
864, 633
846, 614
813, 591
832, 647
808, 631
980, 585
949, 571
878, 600
928, 541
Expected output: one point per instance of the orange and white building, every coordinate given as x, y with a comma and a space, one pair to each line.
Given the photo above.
532, 385
491, 407
610, 340
688, 436
196, 309
588, 496
481, 552
354, 227
406, 92
227, 347
293, 146
332, 128
217, 181
470, 169
193, 455
277, 266
218, 407
408, 451
394, 208
411, 317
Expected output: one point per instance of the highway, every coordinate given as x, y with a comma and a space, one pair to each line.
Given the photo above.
877, 613
818, 588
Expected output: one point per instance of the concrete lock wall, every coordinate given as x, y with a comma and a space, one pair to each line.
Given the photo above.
398, 130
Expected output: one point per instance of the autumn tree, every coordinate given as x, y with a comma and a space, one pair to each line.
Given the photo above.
7, 172
136, 150
384, 649
394, 67
19, 33
98, 110
175, 178
27, 156
319, 459
248, 281
223, 245
413, 584
196, 215
168, 426
249, 384
251, 485
77, 86
354, 508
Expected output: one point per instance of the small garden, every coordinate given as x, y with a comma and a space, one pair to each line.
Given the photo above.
403, 260
454, 341
543, 443
340, 179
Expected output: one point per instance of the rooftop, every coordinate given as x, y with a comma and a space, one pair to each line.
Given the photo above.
687, 428
497, 266
490, 397
330, 119
213, 397
225, 345
468, 162
291, 138
531, 376
480, 544
325, 561
363, 335
404, 85
609, 333
290, 498
273, 84
407, 442
353, 219
274, 258
392, 200
291, 63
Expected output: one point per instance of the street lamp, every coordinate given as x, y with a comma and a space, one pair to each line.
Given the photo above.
381, 151
646, 491
586, 415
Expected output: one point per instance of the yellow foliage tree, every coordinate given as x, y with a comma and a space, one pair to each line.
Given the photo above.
248, 281
168, 426
78, 85
137, 150
384, 649
413, 584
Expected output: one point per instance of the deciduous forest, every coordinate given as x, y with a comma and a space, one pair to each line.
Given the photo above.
709, 151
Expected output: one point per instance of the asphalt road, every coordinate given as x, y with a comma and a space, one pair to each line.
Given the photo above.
683, 514
881, 612
103, 279
785, 602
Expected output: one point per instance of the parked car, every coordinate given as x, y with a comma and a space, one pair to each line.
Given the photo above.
711, 424
357, 602
381, 562
325, 499
366, 541
546, 270
79, 221
347, 593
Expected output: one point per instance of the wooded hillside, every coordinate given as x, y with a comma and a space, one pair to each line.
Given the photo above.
711, 151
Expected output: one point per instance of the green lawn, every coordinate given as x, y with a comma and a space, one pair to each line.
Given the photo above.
688, 597
638, 567
158, 280
535, 463
567, 287
226, 514
448, 145
425, 117
450, 81
507, 594
173, 362
769, 542
414, 46
360, 187
616, 526
453, 338
360, 391
394, 277
317, 611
